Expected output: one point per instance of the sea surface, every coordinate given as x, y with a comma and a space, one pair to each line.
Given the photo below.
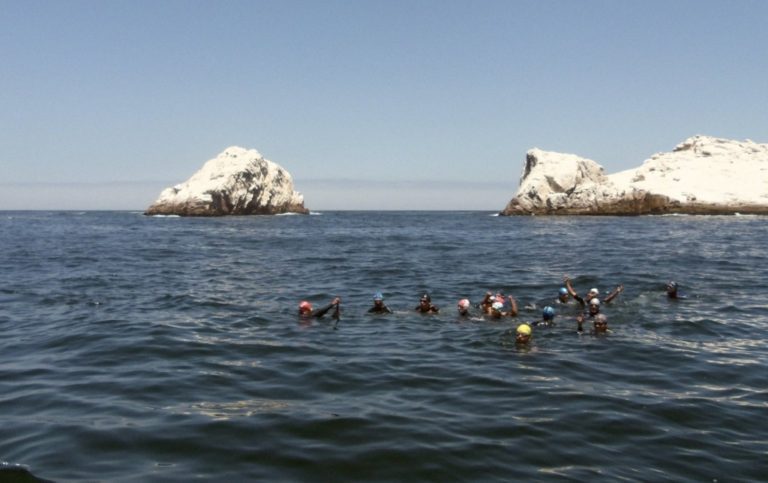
169, 349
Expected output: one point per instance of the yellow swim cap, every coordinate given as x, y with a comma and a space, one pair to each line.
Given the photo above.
524, 329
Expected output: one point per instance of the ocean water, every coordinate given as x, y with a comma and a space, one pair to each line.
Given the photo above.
168, 349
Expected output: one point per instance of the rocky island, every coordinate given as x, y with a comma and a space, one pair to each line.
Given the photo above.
702, 175
237, 182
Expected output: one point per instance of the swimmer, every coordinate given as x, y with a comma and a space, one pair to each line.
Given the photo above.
463, 307
547, 317
305, 309
563, 297
378, 305
523, 334
593, 292
497, 308
485, 304
599, 323
425, 305
594, 307
673, 293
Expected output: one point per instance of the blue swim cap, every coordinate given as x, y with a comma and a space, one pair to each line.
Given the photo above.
549, 313
563, 291
378, 296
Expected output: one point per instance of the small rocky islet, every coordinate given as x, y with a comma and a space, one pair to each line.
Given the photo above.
238, 181
701, 175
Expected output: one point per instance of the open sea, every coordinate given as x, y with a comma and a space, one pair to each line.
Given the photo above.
169, 349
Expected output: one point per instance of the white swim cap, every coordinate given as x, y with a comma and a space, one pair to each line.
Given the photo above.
601, 319
594, 301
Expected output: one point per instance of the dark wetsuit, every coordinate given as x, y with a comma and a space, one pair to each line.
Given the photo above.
380, 309
320, 312
431, 309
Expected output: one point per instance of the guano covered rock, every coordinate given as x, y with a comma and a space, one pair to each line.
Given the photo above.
237, 182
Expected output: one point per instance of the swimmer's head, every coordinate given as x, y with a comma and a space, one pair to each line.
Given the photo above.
672, 287
593, 292
497, 306
548, 313
594, 306
600, 323
463, 304
378, 297
305, 307
523, 333
425, 299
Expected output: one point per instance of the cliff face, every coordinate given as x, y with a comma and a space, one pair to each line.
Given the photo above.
702, 175
236, 182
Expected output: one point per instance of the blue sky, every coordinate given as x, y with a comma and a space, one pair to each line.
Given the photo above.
368, 104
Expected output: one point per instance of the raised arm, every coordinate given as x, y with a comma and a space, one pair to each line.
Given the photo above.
485, 304
571, 291
614, 294
568, 286
321, 312
512, 306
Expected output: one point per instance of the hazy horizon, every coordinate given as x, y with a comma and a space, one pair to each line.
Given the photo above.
363, 195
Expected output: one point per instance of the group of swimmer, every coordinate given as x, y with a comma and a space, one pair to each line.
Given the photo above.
497, 306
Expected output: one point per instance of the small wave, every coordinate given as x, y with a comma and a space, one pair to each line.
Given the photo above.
315, 213
166, 216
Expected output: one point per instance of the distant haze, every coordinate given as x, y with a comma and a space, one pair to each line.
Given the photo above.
318, 195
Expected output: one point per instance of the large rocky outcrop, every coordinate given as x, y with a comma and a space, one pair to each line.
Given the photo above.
236, 182
702, 175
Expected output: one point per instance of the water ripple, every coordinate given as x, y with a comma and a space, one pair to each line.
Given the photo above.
143, 348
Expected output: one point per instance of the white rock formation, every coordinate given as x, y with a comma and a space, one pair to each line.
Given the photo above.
236, 182
701, 175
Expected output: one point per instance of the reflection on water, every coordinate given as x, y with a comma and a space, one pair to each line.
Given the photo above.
229, 410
